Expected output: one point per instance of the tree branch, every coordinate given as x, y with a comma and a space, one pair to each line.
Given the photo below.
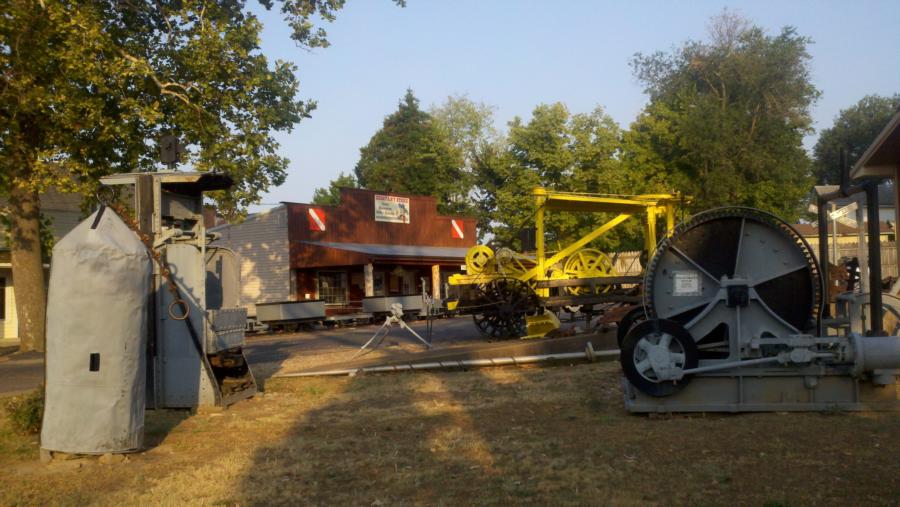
166, 88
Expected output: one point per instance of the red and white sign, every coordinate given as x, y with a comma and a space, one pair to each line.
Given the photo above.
316, 219
456, 229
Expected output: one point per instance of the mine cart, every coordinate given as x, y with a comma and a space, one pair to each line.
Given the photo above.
513, 294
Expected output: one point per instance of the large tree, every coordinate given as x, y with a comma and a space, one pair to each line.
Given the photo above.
88, 86
469, 126
853, 131
726, 118
557, 150
331, 196
412, 154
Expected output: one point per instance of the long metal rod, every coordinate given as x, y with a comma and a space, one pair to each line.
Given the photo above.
834, 237
823, 255
875, 309
588, 354
732, 364
862, 256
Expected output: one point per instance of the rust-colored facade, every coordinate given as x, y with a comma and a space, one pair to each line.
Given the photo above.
346, 252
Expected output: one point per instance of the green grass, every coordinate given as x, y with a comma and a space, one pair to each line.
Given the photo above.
15, 445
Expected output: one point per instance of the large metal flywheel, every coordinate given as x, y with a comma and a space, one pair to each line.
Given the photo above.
503, 305
728, 277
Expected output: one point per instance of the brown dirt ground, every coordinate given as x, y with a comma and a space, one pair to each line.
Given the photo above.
555, 435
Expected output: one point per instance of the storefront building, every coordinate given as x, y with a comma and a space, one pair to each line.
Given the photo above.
371, 244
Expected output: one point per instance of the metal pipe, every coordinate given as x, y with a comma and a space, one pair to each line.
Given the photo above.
875, 309
843, 192
823, 254
845, 171
540, 200
732, 364
588, 354
862, 257
834, 236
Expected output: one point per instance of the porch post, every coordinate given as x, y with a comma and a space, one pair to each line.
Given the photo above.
368, 271
896, 218
436, 281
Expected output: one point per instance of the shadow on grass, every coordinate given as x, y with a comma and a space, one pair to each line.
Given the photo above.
468, 437
159, 423
553, 436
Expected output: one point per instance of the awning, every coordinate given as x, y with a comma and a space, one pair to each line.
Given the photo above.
882, 158
388, 252
886, 195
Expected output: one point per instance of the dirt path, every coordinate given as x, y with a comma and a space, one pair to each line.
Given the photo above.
270, 353
21, 372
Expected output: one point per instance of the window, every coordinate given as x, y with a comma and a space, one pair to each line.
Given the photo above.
408, 284
378, 284
2, 298
333, 287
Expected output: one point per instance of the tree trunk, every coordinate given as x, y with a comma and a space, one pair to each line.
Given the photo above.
27, 268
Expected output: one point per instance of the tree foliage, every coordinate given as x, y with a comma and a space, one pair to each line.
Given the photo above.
331, 196
89, 85
853, 130
556, 150
469, 127
726, 118
412, 154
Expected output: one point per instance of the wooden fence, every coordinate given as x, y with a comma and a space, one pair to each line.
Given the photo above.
888, 255
627, 263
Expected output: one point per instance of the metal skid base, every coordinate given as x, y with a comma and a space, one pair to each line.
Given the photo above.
769, 390
232, 398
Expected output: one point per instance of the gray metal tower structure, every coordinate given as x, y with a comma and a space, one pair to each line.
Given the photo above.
196, 336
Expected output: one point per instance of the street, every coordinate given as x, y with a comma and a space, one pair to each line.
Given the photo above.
268, 353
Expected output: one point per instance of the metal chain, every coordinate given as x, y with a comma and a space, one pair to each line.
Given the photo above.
145, 238
164, 270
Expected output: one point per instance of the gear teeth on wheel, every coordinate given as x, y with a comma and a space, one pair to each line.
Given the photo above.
744, 213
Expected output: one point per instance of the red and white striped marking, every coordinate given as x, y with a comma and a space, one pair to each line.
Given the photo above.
316, 219
456, 229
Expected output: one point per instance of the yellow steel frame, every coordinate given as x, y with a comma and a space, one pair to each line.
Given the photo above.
652, 206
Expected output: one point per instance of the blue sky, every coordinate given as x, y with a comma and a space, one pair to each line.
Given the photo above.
517, 54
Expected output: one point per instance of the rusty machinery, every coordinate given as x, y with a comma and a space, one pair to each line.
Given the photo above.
735, 301
196, 337
509, 293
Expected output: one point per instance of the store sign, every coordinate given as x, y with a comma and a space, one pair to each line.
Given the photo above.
316, 219
456, 229
389, 208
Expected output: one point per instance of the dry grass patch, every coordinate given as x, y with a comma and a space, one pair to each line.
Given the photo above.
494, 436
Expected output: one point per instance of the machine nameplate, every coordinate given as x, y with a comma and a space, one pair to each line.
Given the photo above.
686, 283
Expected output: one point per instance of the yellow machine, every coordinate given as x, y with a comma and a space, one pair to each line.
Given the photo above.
512, 292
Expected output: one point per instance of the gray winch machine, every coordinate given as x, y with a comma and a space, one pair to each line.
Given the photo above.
737, 320
131, 327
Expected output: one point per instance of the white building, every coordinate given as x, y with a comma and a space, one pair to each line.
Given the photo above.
64, 212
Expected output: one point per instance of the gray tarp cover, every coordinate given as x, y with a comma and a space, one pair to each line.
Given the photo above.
96, 339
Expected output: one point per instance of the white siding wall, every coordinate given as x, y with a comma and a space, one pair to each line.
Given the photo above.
261, 243
63, 221
8, 323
